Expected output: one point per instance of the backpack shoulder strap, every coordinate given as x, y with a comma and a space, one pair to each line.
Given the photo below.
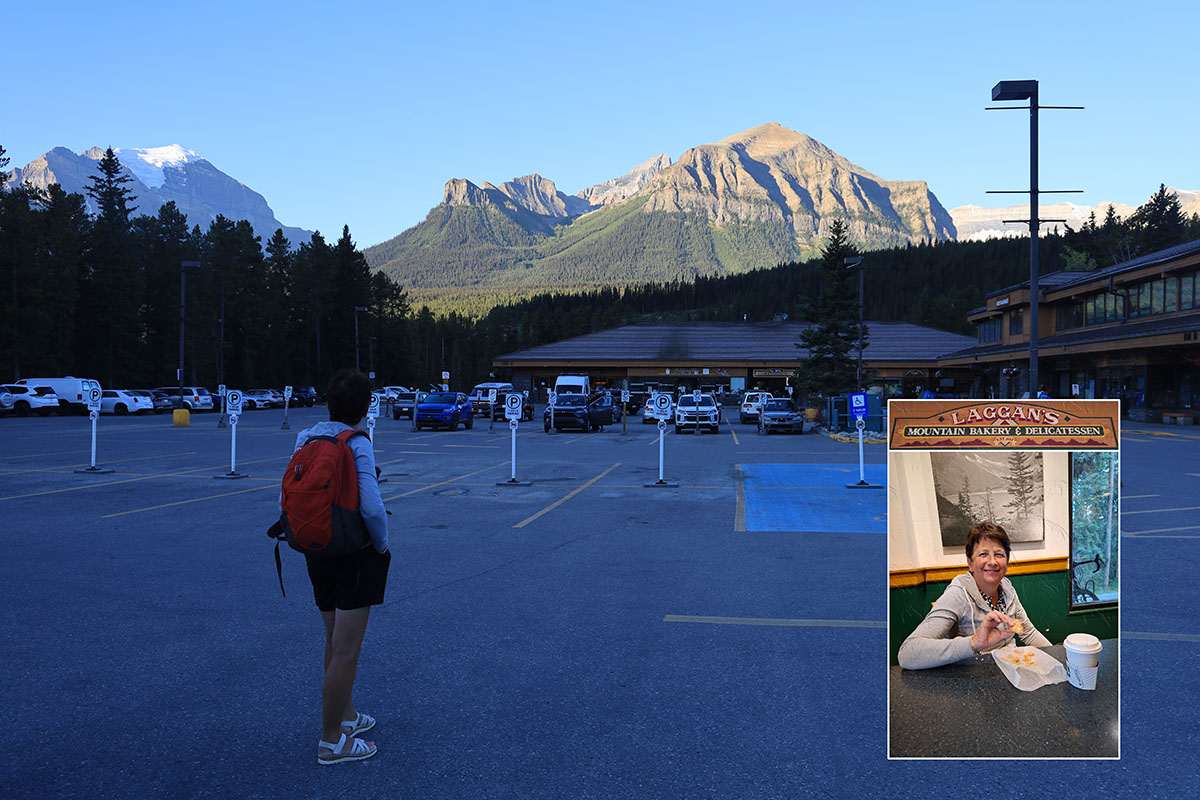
345, 436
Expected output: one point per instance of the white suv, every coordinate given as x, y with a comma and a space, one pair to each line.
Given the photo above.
40, 400
689, 414
751, 406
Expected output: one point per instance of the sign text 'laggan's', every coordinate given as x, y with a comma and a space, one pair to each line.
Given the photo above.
1000, 413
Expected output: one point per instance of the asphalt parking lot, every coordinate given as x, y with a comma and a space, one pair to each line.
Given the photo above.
584, 636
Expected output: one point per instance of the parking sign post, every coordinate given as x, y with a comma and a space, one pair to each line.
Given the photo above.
624, 411
233, 404
93, 404
372, 416
287, 397
514, 406
662, 410
858, 410
492, 410
221, 420
552, 396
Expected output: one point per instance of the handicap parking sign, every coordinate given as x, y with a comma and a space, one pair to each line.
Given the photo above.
858, 405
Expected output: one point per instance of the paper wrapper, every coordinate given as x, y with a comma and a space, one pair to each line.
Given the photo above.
1082, 677
1028, 668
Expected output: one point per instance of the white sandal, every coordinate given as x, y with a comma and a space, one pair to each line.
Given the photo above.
357, 751
362, 722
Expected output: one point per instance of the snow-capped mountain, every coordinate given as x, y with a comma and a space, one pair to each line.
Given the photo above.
200, 190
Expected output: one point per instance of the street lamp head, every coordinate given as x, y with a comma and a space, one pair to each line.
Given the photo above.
189, 265
1015, 90
360, 308
853, 261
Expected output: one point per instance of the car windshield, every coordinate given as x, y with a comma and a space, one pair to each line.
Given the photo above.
690, 402
570, 400
778, 405
440, 397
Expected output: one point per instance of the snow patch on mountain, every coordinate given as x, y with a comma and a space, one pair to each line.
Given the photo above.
149, 163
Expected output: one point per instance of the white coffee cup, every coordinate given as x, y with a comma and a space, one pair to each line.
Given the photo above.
1083, 658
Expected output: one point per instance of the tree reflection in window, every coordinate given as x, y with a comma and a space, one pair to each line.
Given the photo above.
1095, 534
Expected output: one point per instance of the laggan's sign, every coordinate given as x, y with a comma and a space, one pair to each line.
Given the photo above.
1003, 424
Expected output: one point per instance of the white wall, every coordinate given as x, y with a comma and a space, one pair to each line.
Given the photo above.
914, 534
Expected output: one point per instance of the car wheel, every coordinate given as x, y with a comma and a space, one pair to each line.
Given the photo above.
470, 423
120, 409
43, 412
546, 426
22, 409
417, 428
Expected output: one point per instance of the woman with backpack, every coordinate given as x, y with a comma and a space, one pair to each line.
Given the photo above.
343, 534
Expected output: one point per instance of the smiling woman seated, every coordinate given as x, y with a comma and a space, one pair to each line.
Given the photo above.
978, 612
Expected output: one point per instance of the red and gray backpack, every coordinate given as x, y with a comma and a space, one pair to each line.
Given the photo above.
320, 501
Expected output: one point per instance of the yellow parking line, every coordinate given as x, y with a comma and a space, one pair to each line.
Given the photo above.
739, 511
558, 503
574, 439
40, 455
127, 480
443, 483
733, 433
185, 502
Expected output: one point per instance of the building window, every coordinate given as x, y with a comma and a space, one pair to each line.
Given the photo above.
1157, 296
1016, 322
1068, 315
1095, 489
1171, 301
989, 330
1187, 291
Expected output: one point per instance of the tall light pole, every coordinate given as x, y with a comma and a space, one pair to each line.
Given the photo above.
1028, 90
856, 262
371, 358
356, 310
183, 267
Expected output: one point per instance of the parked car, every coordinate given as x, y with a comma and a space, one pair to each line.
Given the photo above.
40, 400
392, 393
648, 417
405, 404
579, 411
258, 398
304, 395
781, 414
123, 401
6, 401
160, 400
479, 397
72, 392
751, 404
501, 399
448, 409
195, 398
692, 415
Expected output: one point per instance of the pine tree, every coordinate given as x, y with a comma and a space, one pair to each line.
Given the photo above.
1159, 223
1023, 484
833, 335
964, 499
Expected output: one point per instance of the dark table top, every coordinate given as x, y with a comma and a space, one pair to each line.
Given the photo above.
969, 709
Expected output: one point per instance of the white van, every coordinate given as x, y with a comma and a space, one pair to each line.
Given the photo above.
72, 392
572, 384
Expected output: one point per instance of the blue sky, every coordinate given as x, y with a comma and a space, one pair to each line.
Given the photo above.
357, 112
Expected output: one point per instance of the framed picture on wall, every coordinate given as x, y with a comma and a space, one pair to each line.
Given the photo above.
1002, 487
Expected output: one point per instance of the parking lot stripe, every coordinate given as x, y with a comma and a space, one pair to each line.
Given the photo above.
574, 439
106, 462
41, 455
1162, 637
733, 433
1139, 496
558, 503
1158, 510
739, 512
443, 483
131, 480
784, 623
185, 502
1162, 530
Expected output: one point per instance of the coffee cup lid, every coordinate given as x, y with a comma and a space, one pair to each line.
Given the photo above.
1082, 643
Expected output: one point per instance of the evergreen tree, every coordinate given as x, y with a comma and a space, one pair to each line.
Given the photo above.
964, 499
829, 368
1159, 223
1024, 484
111, 297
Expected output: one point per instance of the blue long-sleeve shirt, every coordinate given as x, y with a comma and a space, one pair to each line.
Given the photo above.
370, 501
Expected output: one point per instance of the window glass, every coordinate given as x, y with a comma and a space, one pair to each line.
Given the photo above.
1157, 297
1171, 296
1091, 310
1095, 535
1016, 322
1187, 287
1144, 299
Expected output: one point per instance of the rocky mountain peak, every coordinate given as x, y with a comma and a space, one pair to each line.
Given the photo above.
617, 190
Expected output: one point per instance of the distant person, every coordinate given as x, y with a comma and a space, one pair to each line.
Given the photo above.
927, 394
978, 612
1043, 392
345, 587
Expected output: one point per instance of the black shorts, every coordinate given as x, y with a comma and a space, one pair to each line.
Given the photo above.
349, 582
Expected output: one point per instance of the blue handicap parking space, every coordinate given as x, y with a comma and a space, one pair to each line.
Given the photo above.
814, 497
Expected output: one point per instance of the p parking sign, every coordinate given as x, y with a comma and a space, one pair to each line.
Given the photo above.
93, 398
233, 401
513, 405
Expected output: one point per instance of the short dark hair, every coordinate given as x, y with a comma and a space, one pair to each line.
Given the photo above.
348, 396
987, 530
